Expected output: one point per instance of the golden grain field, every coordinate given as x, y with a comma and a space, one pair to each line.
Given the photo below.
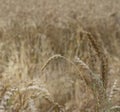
59, 56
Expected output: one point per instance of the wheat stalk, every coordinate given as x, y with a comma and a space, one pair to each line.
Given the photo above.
101, 55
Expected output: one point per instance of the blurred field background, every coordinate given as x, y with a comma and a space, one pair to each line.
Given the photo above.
59, 56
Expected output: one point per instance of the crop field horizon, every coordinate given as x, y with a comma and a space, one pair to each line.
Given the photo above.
59, 56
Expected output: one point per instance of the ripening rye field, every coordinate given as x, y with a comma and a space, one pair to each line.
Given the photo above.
59, 56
